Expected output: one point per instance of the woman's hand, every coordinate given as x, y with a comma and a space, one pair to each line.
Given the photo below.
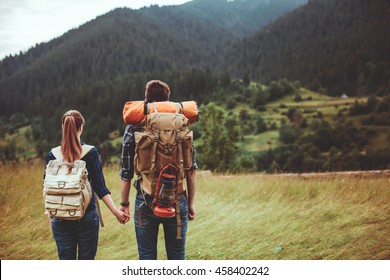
122, 214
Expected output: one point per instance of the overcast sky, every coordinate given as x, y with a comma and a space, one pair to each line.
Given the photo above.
24, 23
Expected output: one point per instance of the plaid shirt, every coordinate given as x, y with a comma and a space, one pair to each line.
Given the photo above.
128, 153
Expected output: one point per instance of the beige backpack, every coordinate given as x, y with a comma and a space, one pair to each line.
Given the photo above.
165, 139
163, 153
66, 192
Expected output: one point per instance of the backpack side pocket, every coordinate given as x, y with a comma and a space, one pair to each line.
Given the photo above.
187, 150
143, 152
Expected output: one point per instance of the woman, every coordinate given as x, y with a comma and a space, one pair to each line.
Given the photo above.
79, 239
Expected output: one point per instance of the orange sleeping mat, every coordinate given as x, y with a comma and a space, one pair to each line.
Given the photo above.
135, 111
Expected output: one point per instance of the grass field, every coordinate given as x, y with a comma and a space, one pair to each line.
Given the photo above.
244, 217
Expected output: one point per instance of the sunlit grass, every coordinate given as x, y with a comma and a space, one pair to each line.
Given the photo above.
238, 217
259, 142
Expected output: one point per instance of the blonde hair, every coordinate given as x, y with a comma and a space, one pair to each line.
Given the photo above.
71, 148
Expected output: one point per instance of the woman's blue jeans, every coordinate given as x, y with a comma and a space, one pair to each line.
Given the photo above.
147, 230
77, 239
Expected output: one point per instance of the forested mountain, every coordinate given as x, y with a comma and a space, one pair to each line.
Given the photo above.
107, 61
243, 17
125, 42
336, 46
210, 51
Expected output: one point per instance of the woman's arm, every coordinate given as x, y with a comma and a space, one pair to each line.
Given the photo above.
120, 215
95, 174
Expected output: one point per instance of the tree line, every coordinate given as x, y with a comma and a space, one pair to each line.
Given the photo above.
302, 146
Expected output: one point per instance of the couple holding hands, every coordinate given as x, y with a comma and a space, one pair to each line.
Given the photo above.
78, 239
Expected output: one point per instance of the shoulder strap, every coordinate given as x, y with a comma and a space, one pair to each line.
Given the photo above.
86, 149
57, 151
146, 111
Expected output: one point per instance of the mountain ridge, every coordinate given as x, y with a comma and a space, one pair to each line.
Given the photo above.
113, 46
340, 47
325, 46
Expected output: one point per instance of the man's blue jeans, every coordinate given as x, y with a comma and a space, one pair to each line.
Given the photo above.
147, 231
72, 235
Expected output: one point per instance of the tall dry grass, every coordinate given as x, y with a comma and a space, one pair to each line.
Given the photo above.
238, 217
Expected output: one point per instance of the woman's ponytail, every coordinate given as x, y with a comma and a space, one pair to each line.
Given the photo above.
70, 143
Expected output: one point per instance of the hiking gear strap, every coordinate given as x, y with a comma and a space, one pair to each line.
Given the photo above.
181, 160
179, 139
154, 108
178, 220
139, 208
146, 108
154, 153
58, 154
140, 216
154, 146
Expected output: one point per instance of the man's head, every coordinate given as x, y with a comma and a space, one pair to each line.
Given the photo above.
156, 91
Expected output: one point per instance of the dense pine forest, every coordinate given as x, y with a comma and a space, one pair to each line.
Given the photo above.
258, 69
333, 46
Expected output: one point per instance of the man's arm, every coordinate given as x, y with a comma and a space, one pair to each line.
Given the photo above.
191, 189
125, 193
127, 169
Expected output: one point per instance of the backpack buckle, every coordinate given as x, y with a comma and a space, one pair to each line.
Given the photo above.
168, 149
61, 184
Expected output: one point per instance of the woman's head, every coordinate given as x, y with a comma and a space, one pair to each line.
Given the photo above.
156, 91
72, 126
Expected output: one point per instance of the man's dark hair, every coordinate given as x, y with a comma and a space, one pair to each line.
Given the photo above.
156, 91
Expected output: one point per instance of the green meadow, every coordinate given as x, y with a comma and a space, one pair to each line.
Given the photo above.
243, 217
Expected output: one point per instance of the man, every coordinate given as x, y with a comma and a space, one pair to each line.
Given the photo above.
146, 222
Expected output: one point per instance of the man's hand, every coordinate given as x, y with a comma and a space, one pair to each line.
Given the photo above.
126, 210
191, 212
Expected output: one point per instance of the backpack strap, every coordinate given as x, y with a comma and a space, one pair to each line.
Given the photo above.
153, 105
179, 108
86, 149
154, 153
178, 220
58, 154
146, 111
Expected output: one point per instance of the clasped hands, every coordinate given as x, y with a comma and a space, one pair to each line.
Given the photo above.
124, 216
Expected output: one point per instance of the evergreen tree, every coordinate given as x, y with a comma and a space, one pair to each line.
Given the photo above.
218, 150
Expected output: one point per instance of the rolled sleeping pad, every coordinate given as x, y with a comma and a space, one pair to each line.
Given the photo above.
134, 111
